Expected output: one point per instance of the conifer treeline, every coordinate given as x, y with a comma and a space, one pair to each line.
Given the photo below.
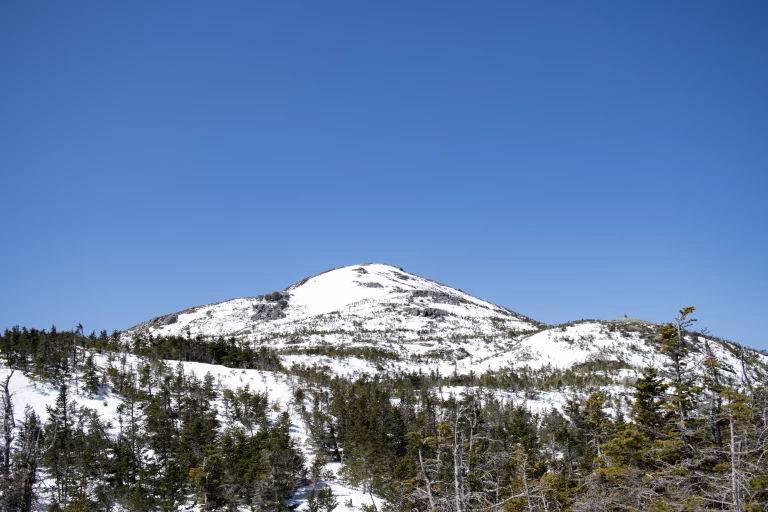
168, 448
476, 452
687, 440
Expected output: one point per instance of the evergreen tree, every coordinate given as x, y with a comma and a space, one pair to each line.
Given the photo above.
596, 422
17, 493
649, 409
326, 501
673, 344
59, 428
91, 378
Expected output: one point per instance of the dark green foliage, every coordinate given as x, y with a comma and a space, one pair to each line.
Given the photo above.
324, 502
163, 412
17, 489
91, 378
649, 409
678, 441
368, 353
227, 352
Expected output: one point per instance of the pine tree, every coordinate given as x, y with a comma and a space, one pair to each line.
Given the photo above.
673, 344
207, 481
59, 428
312, 504
80, 502
17, 494
91, 379
649, 409
596, 421
284, 461
327, 502
713, 383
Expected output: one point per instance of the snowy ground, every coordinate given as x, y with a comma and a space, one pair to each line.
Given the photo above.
375, 298
279, 388
558, 347
350, 499
416, 325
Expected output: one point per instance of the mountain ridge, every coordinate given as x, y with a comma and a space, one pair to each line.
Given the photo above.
413, 321
361, 265
368, 347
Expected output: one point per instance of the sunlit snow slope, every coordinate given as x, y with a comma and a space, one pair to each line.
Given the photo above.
360, 297
373, 317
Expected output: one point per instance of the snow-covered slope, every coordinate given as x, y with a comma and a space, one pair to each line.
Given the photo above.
368, 297
369, 305
372, 317
40, 395
375, 318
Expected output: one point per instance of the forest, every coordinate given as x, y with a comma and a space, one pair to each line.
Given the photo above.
682, 440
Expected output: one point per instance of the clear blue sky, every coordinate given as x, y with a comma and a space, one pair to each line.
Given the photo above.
563, 159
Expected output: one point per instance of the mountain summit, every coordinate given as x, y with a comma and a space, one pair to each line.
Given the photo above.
371, 297
369, 317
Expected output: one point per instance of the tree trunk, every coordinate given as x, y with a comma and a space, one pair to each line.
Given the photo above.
8, 426
432, 507
525, 484
457, 464
734, 471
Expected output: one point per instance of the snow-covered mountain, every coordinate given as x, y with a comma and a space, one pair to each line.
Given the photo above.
378, 319
373, 317
369, 297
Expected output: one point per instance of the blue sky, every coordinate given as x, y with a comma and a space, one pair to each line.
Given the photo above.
564, 159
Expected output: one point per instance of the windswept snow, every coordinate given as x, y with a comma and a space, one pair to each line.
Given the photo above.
374, 297
413, 324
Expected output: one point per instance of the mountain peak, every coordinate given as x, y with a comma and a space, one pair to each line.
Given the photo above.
354, 272
370, 316
376, 297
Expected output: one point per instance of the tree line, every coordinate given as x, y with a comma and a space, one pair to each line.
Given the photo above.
692, 439
167, 447
686, 440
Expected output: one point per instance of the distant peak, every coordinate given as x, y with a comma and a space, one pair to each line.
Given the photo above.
347, 267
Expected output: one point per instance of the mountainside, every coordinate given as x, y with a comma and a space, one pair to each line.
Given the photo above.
372, 317
371, 298
367, 388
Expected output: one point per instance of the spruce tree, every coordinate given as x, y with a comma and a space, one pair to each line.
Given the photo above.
18, 493
673, 344
649, 410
